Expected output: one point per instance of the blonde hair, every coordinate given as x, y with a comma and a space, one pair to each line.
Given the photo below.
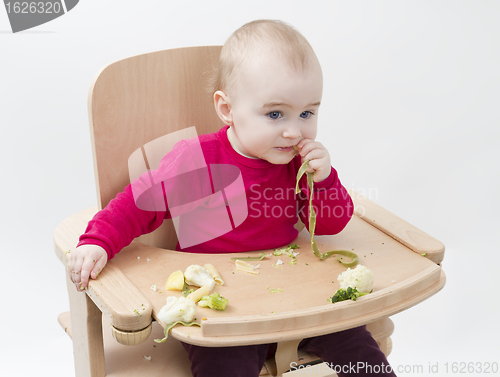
278, 37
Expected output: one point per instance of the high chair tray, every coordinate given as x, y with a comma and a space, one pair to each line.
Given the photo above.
282, 302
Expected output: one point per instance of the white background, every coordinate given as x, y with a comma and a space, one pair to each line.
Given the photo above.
409, 114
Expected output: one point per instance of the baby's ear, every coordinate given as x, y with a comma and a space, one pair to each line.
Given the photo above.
223, 107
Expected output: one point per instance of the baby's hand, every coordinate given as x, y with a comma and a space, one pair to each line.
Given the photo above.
85, 261
318, 156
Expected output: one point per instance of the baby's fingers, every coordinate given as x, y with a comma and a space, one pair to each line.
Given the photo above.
89, 269
313, 154
99, 265
74, 269
85, 273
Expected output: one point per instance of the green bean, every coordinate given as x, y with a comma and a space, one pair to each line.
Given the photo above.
353, 256
312, 222
168, 326
300, 173
260, 257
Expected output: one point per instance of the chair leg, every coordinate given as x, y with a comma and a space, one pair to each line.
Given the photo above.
385, 345
286, 353
88, 347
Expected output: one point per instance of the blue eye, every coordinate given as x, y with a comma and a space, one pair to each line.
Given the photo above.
306, 114
274, 115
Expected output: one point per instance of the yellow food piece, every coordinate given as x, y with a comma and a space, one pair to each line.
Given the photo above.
247, 267
213, 272
199, 293
175, 281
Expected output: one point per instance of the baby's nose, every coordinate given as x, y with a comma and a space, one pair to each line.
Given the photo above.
292, 131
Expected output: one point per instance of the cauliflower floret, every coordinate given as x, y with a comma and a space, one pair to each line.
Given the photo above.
360, 277
177, 309
199, 276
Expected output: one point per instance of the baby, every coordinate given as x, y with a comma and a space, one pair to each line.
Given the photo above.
267, 90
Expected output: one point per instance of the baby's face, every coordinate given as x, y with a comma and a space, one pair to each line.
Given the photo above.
274, 107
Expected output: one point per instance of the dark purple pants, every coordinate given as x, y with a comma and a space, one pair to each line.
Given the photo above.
350, 353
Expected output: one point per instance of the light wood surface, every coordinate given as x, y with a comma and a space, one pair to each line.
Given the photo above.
286, 351
131, 338
254, 315
88, 346
399, 229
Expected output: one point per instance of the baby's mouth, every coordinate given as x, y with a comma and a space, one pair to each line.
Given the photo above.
285, 149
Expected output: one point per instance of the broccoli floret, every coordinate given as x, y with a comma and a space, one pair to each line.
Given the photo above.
214, 301
346, 294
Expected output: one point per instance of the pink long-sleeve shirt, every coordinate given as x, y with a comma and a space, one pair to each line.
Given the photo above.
267, 190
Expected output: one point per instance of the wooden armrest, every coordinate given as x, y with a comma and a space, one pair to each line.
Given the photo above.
399, 229
119, 300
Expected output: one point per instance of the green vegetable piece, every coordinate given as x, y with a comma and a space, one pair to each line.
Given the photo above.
186, 290
288, 250
300, 173
170, 325
260, 257
214, 301
346, 294
354, 257
275, 290
312, 222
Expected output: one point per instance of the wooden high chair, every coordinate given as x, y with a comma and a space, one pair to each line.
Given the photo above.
142, 98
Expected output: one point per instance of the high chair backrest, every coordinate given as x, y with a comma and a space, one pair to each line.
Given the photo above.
139, 99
